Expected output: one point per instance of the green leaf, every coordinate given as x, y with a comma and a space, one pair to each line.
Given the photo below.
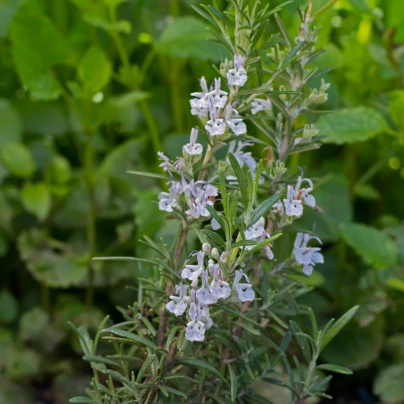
375, 247
131, 336
51, 261
389, 384
303, 343
37, 47
36, 199
335, 368
33, 324
100, 359
351, 125
338, 326
241, 178
94, 70
11, 125
18, 160
186, 37
7, 10
263, 209
117, 376
81, 400
396, 108
233, 383
356, 347
214, 237
8, 307
175, 392
199, 364
262, 244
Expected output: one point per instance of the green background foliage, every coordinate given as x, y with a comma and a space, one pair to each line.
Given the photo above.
90, 89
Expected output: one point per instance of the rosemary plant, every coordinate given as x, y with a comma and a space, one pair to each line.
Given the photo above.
214, 325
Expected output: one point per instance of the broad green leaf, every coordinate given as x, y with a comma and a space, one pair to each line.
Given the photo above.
3, 244
36, 199
335, 368
18, 160
37, 47
263, 209
333, 200
94, 70
388, 385
50, 261
199, 364
395, 283
338, 326
43, 118
351, 125
8, 307
396, 108
131, 336
7, 10
59, 170
187, 37
11, 125
33, 324
374, 246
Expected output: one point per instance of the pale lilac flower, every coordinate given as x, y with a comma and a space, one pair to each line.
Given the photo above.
244, 157
192, 272
244, 290
307, 256
200, 104
259, 105
219, 287
303, 193
178, 304
204, 295
168, 201
218, 96
196, 327
204, 316
199, 194
238, 75
192, 148
165, 165
195, 331
236, 124
215, 126
293, 206
257, 232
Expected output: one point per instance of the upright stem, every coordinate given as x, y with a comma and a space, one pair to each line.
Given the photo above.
91, 217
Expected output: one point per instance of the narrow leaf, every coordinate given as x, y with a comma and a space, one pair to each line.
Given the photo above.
338, 326
131, 336
196, 363
335, 368
263, 209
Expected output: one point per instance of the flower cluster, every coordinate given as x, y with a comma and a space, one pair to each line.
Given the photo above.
197, 194
208, 285
213, 103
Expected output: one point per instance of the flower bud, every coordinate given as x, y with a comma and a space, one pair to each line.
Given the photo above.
206, 248
215, 254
